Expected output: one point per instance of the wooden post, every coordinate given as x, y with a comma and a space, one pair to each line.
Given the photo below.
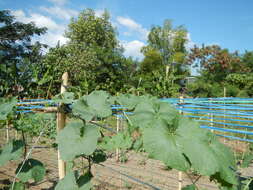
117, 150
61, 120
7, 131
180, 174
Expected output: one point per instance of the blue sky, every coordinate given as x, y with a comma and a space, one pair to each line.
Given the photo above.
228, 23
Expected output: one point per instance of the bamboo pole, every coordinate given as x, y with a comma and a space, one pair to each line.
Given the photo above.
117, 150
61, 120
7, 131
180, 174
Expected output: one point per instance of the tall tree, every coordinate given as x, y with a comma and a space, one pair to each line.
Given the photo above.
92, 55
164, 59
216, 64
17, 53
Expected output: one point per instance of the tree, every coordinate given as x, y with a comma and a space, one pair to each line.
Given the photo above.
163, 67
17, 53
216, 65
169, 41
92, 56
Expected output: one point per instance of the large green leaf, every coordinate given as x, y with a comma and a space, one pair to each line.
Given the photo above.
196, 147
189, 187
100, 102
32, 169
76, 139
95, 104
19, 186
121, 140
11, 151
81, 109
129, 101
6, 107
149, 109
248, 158
164, 146
226, 162
66, 98
69, 182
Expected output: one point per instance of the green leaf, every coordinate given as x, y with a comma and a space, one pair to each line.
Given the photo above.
11, 151
99, 156
196, 147
66, 98
81, 109
119, 140
84, 182
100, 103
189, 187
6, 107
149, 109
164, 146
128, 100
76, 139
247, 160
95, 104
138, 144
19, 186
226, 176
69, 182
32, 169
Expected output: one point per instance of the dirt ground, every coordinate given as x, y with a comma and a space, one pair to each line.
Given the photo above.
137, 172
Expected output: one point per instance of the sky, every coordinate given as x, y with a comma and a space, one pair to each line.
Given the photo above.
228, 23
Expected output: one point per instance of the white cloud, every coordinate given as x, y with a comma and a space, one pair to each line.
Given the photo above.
54, 33
133, 48
60, 12
52, 39
132, 26
59, 2
99, 12
38, 19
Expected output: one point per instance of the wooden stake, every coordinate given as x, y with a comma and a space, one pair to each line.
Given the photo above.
180, 180
180, 174
117, 150
7, 131
61, 120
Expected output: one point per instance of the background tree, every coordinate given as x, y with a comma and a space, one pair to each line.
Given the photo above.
18, 54
92, 56
164, 60
220, 69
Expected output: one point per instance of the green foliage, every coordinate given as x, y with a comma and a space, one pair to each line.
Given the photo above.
154, 126
92, 56
32, 124
18, 54
32, 169
189, 187
19, 186
76, 139
65, 98
96, 104
70, 182
11, 151
6, 107
121, 140
163, 68
248, 158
